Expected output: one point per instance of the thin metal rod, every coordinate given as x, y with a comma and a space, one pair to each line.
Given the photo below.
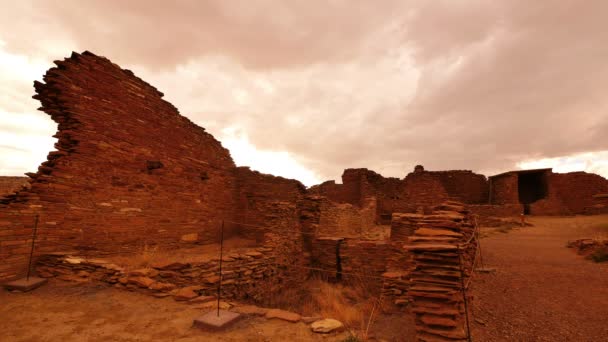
477, 230
29, 266
219, 284
464, 295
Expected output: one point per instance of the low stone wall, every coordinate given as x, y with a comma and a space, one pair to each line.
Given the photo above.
404, 225
345, 219
381, 267
443, 249
599, 206
252, 275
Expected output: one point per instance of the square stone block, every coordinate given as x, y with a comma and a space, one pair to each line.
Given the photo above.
212, 322
25, 285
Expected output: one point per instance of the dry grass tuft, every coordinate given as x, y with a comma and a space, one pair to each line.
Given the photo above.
350, 304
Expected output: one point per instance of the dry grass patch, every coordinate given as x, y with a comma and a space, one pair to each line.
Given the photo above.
353, 305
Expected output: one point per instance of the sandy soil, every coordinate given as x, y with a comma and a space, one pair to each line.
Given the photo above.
541, 290
62, 311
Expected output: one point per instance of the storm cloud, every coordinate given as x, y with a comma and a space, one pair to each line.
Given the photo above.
478, 85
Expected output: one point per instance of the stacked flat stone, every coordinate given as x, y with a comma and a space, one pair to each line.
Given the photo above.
435, 291
247, 275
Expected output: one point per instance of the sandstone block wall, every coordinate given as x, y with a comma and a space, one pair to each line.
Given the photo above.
345, 219
257, 197
464, 185
251, 275
576, 189
504, 189
10, 185
129, 171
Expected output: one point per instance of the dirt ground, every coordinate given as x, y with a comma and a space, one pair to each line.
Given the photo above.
65, 311
541, 290
62, 311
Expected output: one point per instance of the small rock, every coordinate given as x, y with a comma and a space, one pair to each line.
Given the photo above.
401, 302
141, 281
251, 310
213, 305
310, 319
189, 237
480, 321
326, 326
212, 279
169, 265
160, 286
144, 272
161, 294
201, 299
185, 293
284, 315
254, 254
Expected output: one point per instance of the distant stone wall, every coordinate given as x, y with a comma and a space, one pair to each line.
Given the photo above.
10, 185
250, 275
346, 220
504, 189
464, 185
576, 189
257, 197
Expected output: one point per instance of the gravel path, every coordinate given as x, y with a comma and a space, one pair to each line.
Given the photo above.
541, 290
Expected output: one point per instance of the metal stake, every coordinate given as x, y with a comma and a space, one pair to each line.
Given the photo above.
29, 266
219, 285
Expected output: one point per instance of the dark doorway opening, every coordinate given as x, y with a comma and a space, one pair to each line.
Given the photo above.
532, 186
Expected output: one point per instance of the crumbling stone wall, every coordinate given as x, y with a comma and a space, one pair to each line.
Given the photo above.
10, 185
345, 219
418, 189
567, 193
257, 194
503, 189
576, 189
424, 190
464, 185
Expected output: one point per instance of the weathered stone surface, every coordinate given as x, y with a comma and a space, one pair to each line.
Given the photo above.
192, 237
140, 281
213, 305
325, 326
160, 286
185, 293
250, 310
436, 232
283, 315
202, 299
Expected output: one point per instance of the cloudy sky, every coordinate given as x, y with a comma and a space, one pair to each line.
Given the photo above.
306, 88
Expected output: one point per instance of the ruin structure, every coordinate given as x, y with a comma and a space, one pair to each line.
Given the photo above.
130, 172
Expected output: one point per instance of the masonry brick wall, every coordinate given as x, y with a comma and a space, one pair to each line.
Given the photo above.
9, 185
504, 189
422, 189
576, 189
464, 185
345, 219
257, 194
129, 170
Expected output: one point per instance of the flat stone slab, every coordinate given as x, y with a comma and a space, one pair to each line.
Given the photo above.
25, 285
212, 322
431, 247
485, 270
284, 315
